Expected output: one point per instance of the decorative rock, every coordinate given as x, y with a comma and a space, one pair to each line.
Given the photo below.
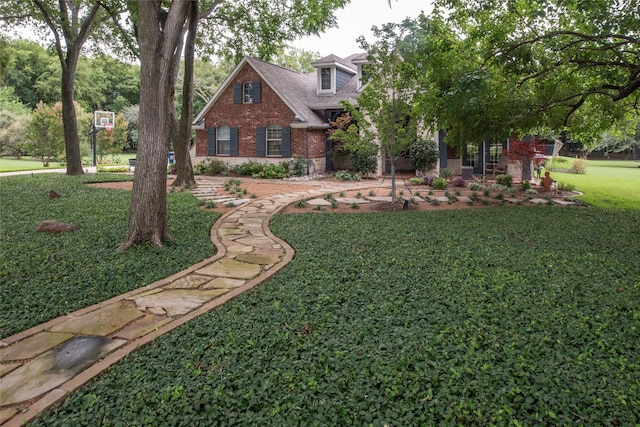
53, 226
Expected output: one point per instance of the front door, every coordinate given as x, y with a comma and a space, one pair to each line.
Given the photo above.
472, 155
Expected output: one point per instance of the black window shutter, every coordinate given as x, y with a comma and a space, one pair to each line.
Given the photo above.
255, 96
211, 142
286, 142
234, 142
237, 93
261, 142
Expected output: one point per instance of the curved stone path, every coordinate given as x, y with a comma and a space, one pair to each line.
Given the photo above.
40, 366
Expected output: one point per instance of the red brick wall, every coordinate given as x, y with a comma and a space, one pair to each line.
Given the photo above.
247, 117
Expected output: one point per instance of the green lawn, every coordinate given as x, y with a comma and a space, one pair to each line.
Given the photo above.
607, 183
28, 163
495, 316
44, 275
24, 164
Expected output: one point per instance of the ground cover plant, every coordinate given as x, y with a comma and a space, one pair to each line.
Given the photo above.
47, 275
496, 316
606, 183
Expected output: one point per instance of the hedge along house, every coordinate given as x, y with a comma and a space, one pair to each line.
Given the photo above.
269, 114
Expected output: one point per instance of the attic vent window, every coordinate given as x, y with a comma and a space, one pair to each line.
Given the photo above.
325, 78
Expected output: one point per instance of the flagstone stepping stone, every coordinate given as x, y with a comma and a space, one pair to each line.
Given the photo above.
258, 242
177, 302
224, 283
563, 202
512, 200
318, 202
441, 199
464, 199
351, 200
231, 268
53, 368
229, 233
102, 321
539, 201
238, 249
380, 198
143, 326
33, 346
261, 257
191, 281
5, 368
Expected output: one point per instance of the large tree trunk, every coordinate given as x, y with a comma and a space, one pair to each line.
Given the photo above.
69, 122
159, 36
181, 143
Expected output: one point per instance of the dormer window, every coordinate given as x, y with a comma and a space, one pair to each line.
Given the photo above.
333, 73
325, 78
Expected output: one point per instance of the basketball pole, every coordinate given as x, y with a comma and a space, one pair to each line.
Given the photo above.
95, 145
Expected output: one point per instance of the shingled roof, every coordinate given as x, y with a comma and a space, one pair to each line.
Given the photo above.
297, 90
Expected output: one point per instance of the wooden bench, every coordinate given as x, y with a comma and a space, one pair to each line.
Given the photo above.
132, 163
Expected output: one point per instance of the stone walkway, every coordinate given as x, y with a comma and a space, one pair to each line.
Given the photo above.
40, 366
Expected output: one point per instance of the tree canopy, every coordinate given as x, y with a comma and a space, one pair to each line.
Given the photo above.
518, 65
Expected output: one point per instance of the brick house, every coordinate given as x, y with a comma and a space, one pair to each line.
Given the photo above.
269, 114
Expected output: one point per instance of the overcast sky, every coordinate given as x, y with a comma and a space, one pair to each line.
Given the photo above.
356, 19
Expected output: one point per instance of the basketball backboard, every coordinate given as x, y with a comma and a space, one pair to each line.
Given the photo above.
103, 119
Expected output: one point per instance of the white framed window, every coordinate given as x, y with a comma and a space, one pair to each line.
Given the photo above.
325, 78
224, 141
274, 140
247, 92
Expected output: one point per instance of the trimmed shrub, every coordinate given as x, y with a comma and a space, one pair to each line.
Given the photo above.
364, 162
504, 179
579, 166
424, 155
249, 168
440, 183
273, 172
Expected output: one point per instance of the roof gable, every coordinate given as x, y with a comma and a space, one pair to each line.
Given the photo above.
297, 91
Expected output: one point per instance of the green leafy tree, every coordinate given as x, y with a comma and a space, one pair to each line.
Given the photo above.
551, 65
28, 73
9, 101
131, 116
296, 59
387, 111
12, 130
5, 56
70, 23
44, 137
